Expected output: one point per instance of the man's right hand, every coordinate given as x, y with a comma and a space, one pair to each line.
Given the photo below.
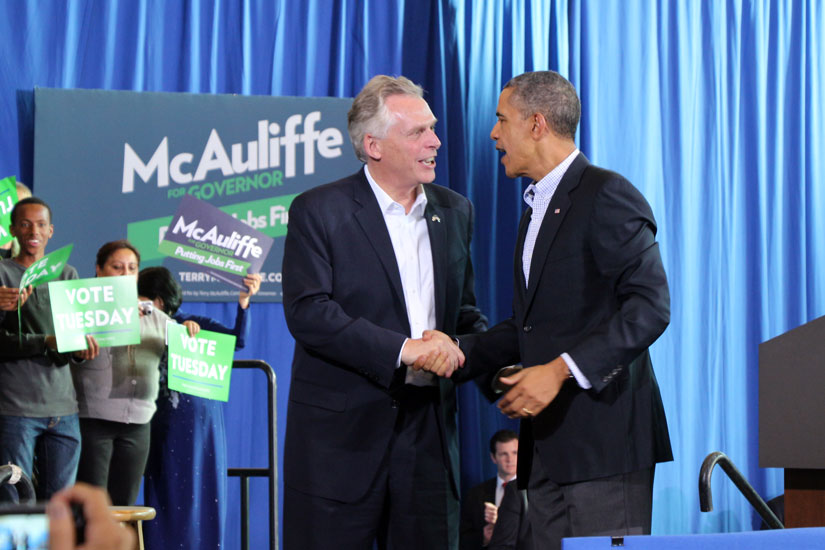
435, 352
490, 517
490, 512
10, 296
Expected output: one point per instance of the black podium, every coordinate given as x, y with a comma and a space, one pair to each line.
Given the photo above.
792, 418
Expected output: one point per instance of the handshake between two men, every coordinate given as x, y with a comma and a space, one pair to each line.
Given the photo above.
527, 391
434, 352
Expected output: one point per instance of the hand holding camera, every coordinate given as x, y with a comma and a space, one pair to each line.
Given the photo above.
92, 526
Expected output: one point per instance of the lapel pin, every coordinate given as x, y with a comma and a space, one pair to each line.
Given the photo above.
558, 210
436, 218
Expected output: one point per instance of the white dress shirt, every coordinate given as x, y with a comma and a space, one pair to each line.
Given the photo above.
538, 196
411, 244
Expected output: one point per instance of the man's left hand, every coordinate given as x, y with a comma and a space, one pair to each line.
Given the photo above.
532, 389
487, 533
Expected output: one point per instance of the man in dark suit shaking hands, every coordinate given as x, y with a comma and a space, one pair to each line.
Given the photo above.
370, 262
590, 298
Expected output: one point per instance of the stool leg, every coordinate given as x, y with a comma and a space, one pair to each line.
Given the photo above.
139, 529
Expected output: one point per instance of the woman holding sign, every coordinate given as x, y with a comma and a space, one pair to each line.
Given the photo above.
186, 473
116, 393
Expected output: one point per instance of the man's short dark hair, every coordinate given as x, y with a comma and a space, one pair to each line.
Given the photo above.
552, 95
501, 436
29, 200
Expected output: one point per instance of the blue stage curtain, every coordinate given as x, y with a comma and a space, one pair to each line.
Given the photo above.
713, 109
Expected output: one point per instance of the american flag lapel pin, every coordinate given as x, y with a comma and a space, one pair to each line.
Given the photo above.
557, 211
435, 218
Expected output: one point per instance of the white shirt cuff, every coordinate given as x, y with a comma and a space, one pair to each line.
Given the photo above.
581, 379
401, 352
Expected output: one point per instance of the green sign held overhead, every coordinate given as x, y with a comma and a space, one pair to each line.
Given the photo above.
202, 364
104, 307
47, 268
8, 198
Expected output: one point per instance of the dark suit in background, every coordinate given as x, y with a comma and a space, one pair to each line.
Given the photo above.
513, 531
472, 513
344, 304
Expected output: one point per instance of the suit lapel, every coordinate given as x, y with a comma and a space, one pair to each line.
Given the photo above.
371, 219
522, 235
556, 211
436, 216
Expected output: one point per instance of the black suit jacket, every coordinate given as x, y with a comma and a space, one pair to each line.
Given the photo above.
344, 305
597, 290
512, 530
472, 514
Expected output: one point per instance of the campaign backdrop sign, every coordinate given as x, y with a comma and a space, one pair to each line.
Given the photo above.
47, 268
215, 242
105, 307
116, 164
200, 365
8, 198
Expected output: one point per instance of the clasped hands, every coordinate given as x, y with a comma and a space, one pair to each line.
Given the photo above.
530, 391
434, 352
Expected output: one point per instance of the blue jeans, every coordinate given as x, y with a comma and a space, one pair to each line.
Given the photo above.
49, 446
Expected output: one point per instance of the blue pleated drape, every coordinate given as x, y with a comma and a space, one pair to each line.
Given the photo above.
713, 109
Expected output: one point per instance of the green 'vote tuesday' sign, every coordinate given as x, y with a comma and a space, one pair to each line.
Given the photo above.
8, 198
202, 364
104, 307
47, 268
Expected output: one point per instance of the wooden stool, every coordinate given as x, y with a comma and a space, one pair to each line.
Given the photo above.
134, 516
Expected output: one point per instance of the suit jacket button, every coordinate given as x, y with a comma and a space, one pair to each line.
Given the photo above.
528, 328
394, 404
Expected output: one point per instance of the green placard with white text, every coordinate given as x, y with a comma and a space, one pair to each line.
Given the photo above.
48, 268
200, 365
8, 198
104, 307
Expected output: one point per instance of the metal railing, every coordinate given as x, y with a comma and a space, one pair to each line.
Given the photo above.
271, 471
706, 499
14, 476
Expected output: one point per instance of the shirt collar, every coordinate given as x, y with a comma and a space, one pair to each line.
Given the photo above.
500, 482
549, 183
388, 205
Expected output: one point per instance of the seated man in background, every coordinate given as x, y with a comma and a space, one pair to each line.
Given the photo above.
513, 530
479, 510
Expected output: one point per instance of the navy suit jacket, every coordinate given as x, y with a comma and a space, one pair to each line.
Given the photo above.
472, 514
597, 290
344, 305
513, 530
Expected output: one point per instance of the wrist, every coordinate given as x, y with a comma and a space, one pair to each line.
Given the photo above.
559, 369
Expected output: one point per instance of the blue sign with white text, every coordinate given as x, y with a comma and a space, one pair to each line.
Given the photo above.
116, 164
